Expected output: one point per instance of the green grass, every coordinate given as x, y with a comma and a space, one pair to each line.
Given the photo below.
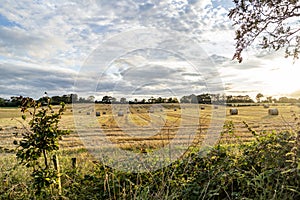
266, 168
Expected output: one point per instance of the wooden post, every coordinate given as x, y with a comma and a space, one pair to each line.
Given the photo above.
74, 163
57, 168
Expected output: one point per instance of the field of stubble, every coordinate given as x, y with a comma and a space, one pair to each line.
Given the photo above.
136, 127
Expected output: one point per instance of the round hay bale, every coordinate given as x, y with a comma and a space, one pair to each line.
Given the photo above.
273, 111
175, 109
151, 110
234, 111
120, 113
88, 113
202, 108
266, 106
103, 113
52, 111
97, 114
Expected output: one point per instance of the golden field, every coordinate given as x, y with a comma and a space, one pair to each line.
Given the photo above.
145, 126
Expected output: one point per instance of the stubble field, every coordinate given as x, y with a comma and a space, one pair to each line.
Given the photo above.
145, 127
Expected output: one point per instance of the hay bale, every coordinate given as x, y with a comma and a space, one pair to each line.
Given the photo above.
120, 113
266, 106
79, 111
103, 113
97, 114
175, 109
216, 107
233, 111
52, 111
273, 111
88, 113
151, 110
202, 108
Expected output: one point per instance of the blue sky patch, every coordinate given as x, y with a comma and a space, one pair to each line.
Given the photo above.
5, 22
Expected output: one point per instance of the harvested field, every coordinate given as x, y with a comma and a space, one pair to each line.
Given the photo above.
152, 126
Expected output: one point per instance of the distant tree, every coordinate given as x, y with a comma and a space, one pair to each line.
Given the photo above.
287, 100
185, 99
81, 100
159, 100
2, 102
152, 100
55, 100
204, 98
269, 22
274, 100
15, 101
74, 97
113, 100
269, 99
106, 99
91, 98
259, 96
123, 100
175, 100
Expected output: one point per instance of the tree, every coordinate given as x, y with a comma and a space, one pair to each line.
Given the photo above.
113, 100
122, 100
270, 21
106, 99
74, 97
258, 96
269, 99
41, 141
91, 98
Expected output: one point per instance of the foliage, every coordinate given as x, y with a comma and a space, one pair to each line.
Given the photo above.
274, 21
259, 96
265, 168
40, 141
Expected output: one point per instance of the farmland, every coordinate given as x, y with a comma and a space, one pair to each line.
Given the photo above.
238, 160
152, 126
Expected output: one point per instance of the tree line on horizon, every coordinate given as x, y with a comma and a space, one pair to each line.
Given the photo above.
207, 98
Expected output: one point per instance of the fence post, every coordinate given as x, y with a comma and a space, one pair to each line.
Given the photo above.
74, 163
57, 168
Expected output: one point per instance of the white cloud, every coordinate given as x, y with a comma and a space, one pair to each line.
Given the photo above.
60, 35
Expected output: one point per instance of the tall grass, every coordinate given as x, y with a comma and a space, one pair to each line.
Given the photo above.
265, 168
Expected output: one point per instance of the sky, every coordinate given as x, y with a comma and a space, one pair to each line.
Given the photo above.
132, 48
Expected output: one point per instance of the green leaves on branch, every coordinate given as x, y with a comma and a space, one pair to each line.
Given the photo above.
40, 140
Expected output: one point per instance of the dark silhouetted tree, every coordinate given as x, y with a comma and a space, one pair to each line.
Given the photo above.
273, 22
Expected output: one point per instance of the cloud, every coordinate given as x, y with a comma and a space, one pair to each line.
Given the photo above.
44, 44
34, 81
